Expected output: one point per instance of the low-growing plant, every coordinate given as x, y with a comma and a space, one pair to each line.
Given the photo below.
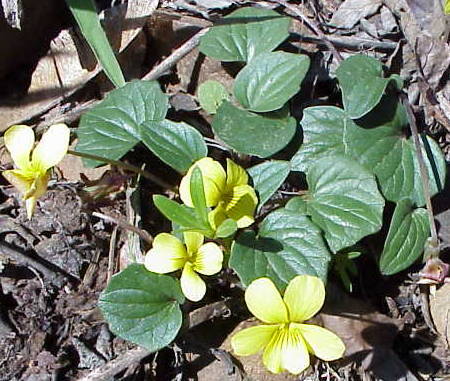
354, 159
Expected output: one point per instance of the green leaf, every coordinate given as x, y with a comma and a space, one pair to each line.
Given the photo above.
267, 178
406, 239
253, 134
244, 34
211, 94
343, 200
226, 228
182, 215
267, 83
297, 204
362, 83
87, 19
143, 307
383, 149
288, 244
198, 195
114, 126
178, 145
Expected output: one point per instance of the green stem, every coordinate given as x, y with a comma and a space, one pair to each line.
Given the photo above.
423, 176
123, 165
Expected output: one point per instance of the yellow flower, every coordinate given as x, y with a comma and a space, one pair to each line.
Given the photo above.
170, 254
31, 176
229, 192
447, 7
285, 338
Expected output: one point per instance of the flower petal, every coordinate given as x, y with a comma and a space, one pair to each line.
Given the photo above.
208, 259
52, 147
19, 141
236, 175
217, 216
286, 351
30, 205
168, 254
214, 180
193, 241
251, 340
241, 205
17, 178
304, 297
321, 342
38, 187
193, 287
265, 302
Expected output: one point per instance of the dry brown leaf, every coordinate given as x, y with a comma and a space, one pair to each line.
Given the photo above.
352, 11
440, 312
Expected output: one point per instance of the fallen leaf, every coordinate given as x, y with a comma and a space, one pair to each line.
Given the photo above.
440, 312
352, 11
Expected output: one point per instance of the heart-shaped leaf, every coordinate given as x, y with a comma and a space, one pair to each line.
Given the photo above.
362, 83
267, 178
383, 150
253, 134
244, 34
343, 200
176, 144
143, 307
267, 83
211, 94
114, 126
406, 239
288, 244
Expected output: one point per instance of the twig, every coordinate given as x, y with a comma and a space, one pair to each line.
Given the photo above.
312, 25
119, 364
125, 225
422, 168
112, 247
47, 271
177, 55
127, 166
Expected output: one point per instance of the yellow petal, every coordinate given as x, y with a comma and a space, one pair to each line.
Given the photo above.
52, 147
265, 303
217, 216
251, 340
286, 351
241, 205
321, 342
16, 178
193, 287
193, 241
304, 297
208, 259
214, 180
30, 205
168, 254
19, 141
236, 175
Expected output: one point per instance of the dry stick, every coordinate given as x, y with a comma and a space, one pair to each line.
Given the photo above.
177, 55
125, 225
112, 248
422, 167
312, 25
119, 364
127, 166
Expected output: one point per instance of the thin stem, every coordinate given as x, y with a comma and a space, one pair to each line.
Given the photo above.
423, 171
123, 165
125, 225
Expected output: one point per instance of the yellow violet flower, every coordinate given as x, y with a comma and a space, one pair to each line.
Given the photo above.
228, 191
283, 336
31, 176
170, 254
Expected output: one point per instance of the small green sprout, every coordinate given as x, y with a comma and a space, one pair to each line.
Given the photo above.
283, 336
229, 192
170, 254
31, 176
